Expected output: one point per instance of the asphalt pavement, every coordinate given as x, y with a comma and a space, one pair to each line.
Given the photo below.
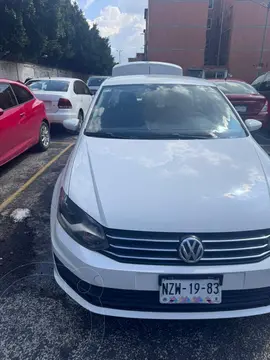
37, 319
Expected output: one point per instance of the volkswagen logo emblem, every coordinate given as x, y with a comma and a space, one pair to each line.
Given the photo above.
191, 249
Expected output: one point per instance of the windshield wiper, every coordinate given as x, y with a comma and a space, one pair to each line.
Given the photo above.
148, 135
182, 136
194, 136
103, 134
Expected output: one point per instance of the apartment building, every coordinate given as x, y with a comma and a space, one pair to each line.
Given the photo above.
176, 31
207, 35
249, 28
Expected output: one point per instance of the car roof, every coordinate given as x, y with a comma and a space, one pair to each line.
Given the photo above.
10, 81
55, 78
14, 82
155, 79
98, 76
227, 80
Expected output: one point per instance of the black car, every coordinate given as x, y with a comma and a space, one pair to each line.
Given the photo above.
262, 85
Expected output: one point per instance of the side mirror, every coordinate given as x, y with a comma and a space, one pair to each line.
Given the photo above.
253, 124
72, 125
1, 111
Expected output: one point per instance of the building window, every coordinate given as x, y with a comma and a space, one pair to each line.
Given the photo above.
209, 23
211, 4
145, 14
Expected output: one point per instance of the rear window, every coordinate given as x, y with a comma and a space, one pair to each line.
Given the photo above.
48, 85
95, 81
163, 111
236, 88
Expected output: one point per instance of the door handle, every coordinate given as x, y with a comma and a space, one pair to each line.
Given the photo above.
22, 114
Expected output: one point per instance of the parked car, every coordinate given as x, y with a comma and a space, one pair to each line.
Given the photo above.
23, 121
94, 83
262, 85
163, 210
246, 99
64, 98
147, 68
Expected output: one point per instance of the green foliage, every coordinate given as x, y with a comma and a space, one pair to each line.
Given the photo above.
53, 33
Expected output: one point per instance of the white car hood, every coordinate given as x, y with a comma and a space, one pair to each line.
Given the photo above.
171, 185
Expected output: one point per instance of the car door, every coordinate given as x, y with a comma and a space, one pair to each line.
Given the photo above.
11, 136
78, 99
86, 97
30, 121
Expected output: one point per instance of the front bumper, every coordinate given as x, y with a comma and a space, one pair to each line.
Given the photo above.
145, 304
105, 286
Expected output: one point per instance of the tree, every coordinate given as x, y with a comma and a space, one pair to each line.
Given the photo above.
52, 32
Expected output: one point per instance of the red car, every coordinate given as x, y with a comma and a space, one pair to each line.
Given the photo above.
23, 121
246, 99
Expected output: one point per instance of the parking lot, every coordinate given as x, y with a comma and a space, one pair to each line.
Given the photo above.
38, 321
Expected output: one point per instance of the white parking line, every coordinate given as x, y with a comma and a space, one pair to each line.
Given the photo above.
32, 179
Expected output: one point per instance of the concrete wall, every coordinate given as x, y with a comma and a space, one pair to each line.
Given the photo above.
177, 31
20, 71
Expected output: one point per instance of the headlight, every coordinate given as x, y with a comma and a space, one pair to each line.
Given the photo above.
79, 225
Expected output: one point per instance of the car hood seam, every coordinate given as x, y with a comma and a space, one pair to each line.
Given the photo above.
98, 200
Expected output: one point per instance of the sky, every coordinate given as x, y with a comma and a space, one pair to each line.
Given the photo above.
122, 21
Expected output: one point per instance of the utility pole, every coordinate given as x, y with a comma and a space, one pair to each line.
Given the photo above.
260, 65
119, 55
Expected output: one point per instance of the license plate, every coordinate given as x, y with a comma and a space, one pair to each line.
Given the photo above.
190, 291
241, 109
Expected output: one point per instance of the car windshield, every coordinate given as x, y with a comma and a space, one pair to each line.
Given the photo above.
236, 88
96, 81
48, 85
163, 111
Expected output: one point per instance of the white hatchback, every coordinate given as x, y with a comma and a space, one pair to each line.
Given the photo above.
64, 98
163, 209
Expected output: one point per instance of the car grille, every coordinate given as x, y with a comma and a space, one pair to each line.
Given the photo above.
136, 300
162, 248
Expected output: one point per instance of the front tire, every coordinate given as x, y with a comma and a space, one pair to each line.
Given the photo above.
44, 137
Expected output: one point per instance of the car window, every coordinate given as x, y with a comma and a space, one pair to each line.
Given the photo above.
22, 95
265, 84
48, 85
163, 111
80, 88
76, 87
7, 98
256, 83
95, 81
231, 87
85, 89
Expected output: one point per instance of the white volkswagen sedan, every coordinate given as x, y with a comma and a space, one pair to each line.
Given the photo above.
163, 209
64, 98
